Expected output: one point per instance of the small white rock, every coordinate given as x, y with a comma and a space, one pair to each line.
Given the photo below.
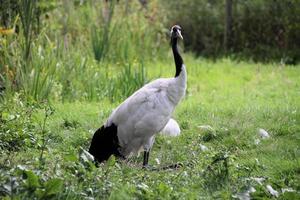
185, 173
283, 190
206, 128
86, 156
251, 190
157, 161
7, 187
224, 128
203, 147
259, 180
143, 186
263, 133
256, 141
272, 191
245, 195
21, 167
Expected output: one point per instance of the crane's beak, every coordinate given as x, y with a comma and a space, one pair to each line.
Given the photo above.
179, 34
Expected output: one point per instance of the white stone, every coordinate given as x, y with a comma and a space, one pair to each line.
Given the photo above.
259, 180
203, 147
272, 191
245, 195
283, 190
206, 128
256, 141
263, 133
157, 161
86, 156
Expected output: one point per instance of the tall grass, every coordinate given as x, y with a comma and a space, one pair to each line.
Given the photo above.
87, 51
27, 9
101, 36
38, 83
131, 78
125, 37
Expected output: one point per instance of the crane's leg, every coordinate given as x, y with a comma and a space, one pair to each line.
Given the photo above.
146, 158
147, 147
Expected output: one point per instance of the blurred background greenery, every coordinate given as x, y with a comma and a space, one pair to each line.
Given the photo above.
90, 50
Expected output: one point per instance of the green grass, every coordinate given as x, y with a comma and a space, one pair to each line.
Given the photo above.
235, 99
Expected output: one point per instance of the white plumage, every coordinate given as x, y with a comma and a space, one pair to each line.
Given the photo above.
171, 129
145, 113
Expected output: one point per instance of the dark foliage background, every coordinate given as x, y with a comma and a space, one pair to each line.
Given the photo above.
262, 30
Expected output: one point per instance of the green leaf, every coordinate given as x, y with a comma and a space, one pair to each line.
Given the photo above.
52, 187
71, 157
111, 161
5, 116
32, 180
164, 189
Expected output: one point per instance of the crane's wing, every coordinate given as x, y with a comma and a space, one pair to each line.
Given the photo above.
143, 114
148, 104
149, 96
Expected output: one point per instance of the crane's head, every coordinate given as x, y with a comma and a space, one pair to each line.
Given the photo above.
176, 32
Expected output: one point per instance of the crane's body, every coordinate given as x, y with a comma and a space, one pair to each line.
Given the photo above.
146, 113
135, 122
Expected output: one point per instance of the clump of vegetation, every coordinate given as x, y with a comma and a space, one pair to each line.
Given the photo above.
46, 64
17, 128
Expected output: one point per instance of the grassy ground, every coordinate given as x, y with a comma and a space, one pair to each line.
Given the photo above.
234, 99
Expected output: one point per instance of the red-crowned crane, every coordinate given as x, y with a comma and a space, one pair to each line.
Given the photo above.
134, 124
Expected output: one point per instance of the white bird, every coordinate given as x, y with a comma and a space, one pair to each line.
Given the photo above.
134, 124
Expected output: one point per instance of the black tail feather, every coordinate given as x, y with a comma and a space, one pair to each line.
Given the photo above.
105, 143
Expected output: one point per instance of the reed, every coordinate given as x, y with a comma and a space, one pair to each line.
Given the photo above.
27, 9
101, 35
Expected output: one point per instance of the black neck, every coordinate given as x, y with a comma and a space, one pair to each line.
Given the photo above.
177, 58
